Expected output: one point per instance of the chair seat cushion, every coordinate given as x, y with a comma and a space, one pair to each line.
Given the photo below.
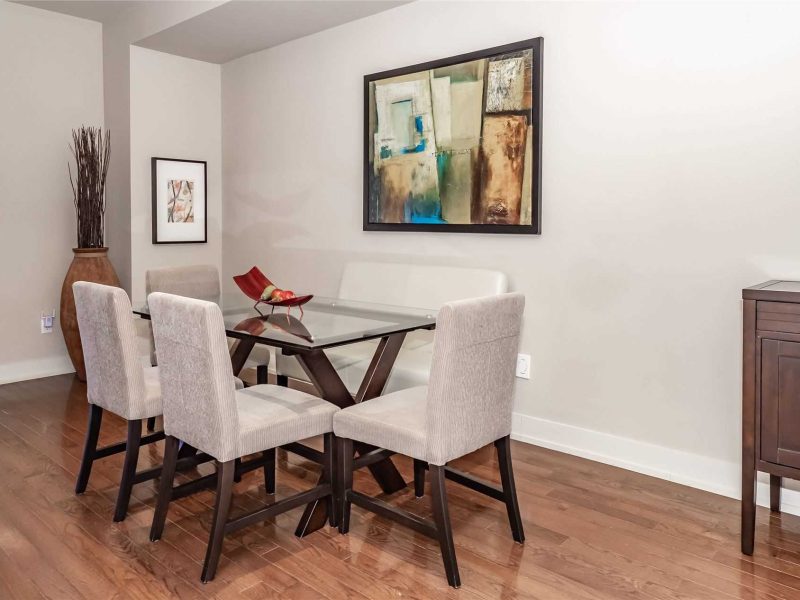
395, 421
270, 415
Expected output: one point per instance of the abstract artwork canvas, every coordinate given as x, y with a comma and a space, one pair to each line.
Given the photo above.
179, 201
455, 144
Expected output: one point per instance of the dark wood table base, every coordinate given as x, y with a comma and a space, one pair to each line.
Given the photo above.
323, 375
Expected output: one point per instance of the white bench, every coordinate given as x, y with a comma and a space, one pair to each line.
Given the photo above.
417, 286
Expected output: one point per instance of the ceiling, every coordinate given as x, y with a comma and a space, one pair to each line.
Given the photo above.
241, 27
103, 11
233, 29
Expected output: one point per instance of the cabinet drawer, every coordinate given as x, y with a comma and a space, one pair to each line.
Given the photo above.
778, 316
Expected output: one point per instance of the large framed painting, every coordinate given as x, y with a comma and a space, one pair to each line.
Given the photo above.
456, 144
179, 201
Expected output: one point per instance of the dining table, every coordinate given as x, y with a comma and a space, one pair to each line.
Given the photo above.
308, 332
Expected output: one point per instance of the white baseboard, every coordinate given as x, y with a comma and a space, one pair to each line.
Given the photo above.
697, 471
34, 369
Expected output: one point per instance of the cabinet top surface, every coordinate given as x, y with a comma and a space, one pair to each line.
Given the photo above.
775, 290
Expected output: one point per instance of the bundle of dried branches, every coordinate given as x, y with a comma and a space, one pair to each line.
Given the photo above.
92, 151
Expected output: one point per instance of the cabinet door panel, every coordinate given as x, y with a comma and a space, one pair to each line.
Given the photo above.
780, 402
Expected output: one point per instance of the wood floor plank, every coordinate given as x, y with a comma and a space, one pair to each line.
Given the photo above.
49, 500
660, 533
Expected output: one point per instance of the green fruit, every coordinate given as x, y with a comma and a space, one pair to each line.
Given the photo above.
268, 291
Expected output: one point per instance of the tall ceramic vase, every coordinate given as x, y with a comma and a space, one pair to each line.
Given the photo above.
88, 264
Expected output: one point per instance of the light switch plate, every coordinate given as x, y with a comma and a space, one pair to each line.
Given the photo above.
524, 366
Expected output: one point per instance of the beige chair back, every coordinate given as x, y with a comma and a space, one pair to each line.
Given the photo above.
197, 383
194, 281
471, 388
114, 372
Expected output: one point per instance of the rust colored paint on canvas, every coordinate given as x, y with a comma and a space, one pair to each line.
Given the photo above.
394, 191
503, 149
406, 180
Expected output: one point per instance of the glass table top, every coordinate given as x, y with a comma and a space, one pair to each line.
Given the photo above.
322, 322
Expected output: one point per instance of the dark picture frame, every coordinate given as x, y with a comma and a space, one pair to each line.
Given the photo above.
371, 201
179, 170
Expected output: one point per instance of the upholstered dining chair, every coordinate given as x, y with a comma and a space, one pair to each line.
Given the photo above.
202, 408
116, 381
466, 405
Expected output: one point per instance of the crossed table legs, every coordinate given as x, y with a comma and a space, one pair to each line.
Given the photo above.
322, 374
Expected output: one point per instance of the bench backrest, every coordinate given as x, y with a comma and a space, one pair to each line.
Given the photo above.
418, 286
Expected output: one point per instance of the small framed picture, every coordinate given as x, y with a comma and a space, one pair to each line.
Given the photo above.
179, 201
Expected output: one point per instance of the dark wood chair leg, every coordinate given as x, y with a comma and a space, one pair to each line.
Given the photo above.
503, 446
165, 487
345, 460
186, 450
775, 482
419, 478
282, 380
89, 447
444, 532
262, 374
237, 474
269, 470
128, 469
328, 476
222, 506
151, 424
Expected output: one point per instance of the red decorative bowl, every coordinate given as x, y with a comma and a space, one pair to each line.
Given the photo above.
296, 301
253, 284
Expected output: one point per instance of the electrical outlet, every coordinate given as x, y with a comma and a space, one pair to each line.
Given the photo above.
48, 319
524, 366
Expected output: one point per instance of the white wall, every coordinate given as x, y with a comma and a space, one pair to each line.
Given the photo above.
52, 81
175, 113
132, 25
671, 180
117, 108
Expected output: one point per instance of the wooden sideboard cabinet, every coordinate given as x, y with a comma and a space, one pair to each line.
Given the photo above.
770, 394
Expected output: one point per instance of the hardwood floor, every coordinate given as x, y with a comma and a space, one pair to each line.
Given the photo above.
592, 531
